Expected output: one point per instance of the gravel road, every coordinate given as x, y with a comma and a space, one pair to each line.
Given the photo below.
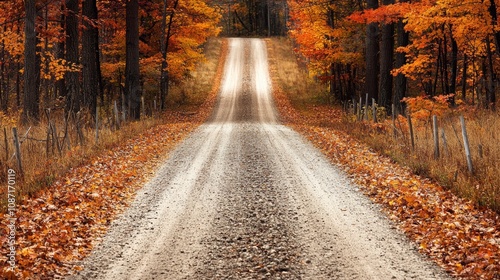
247, 198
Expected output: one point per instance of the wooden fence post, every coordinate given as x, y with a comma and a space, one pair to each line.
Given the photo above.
143, 107
393, 114
79, 132
354, 107
117, 115
56, 139
374, 109
49, 132
154, 106
18, 151
96, 127
410, 125
124, 113
435, 134
366, 108
66, 137
360, 108
466, 145
47, 145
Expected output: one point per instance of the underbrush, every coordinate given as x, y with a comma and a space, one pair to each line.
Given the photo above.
450, 169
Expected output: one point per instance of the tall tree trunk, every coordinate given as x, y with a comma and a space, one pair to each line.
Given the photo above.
454, 69
372, 51
73, 99
494, 17
445, 83
403, 40
386, 62
31, 66
166, 33
163, 70
333, 82
464, 79
90, 55
490, 91
132, 78
60, 46
491, 75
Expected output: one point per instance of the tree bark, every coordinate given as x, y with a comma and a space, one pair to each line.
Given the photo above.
132, 78
166, 33
73, 98
464, 79
61, 46
163, 70
403, 39
490, 91
386, 62
372, 51
90, 56
31, 66
454, 69
494, 17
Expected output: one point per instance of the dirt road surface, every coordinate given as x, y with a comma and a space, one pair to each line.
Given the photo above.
247, 198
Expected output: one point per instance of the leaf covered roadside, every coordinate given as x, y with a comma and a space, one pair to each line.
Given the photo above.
61, 224
457, 235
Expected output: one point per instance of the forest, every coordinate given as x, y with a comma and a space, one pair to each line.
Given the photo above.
386, 49
392, 50
84, 54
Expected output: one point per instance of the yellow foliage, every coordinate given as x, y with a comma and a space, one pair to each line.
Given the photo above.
422, 107
55, 68
8, 120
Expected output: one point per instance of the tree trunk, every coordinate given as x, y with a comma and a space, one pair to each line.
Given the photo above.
491, 70
73, 99
386, 62
163, 70
494, 17
454, 69
31, 66
90, 55
464, 79
132, 78
403, 40
490, 91
372, 50
166, 33
60, 84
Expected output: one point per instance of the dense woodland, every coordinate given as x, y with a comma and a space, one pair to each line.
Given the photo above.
394, 49
78, 54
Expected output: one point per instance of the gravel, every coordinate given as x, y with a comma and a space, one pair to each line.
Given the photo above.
247, 198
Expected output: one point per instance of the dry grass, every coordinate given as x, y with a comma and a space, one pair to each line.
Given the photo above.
194, 90
42, 168
450, 170
295, 81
